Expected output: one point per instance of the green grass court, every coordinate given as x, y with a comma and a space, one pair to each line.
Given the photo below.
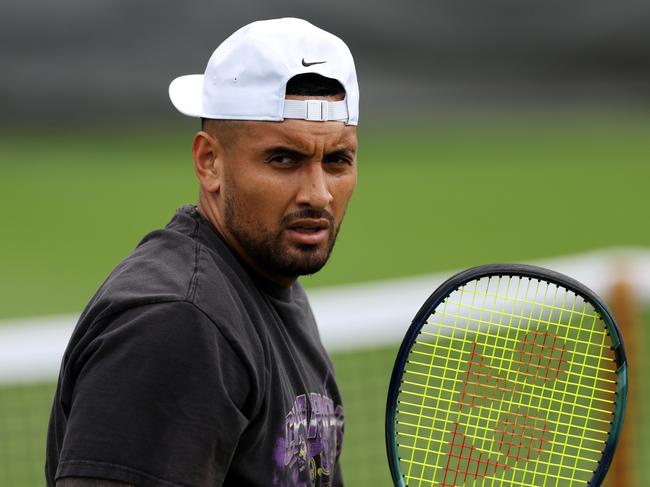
437, 197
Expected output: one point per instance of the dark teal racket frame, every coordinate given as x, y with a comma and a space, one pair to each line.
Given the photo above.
522, 270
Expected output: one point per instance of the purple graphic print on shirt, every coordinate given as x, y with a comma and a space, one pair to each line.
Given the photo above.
306, 451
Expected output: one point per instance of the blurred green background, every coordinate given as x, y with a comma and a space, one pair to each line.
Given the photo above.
500, 132
431, 197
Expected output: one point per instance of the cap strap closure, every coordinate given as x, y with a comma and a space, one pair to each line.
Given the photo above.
316, 110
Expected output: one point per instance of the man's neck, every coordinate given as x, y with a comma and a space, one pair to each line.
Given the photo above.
209, 213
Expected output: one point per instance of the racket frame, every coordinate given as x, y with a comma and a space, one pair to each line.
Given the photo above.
496, 270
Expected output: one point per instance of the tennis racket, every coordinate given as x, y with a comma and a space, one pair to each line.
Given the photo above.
509, 375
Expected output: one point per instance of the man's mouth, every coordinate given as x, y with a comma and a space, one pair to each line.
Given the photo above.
308, 231
309, 224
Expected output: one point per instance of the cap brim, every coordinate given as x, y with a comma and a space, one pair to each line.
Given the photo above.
186, 94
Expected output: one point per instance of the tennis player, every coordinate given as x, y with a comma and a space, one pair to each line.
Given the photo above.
198, 362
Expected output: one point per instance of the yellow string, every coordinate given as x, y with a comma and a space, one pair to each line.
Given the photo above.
575, 406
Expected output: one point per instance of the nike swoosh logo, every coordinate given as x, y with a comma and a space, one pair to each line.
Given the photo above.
306, 64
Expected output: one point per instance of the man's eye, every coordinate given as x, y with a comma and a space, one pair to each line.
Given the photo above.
281, 159
338, 161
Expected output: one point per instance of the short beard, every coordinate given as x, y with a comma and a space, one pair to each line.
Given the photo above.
266, 248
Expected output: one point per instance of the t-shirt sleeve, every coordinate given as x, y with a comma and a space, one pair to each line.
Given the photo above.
157, 400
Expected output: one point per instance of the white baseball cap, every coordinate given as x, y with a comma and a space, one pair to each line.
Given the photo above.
246, 76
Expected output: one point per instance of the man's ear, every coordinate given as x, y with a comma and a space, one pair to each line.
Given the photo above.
208, 155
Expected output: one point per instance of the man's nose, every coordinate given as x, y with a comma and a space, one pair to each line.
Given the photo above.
314, 190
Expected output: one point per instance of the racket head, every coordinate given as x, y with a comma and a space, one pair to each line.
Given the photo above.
530, 366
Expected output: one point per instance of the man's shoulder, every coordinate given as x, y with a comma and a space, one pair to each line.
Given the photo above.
185, 262
160, 269
165, 264
180, 281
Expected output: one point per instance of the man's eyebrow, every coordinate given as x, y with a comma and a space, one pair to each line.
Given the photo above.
299, 154
283, 149
350, 153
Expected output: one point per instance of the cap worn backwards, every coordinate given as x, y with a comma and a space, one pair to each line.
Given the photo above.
246, 76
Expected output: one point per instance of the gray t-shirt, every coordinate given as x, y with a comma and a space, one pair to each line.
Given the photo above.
187, 368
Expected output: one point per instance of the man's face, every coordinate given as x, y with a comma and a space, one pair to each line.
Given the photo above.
284, 192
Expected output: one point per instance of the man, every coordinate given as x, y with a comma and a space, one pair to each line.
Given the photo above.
198, 361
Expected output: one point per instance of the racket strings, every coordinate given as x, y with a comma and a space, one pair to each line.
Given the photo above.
491, 428
538, 321
603, 379
607, 373
511, 381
